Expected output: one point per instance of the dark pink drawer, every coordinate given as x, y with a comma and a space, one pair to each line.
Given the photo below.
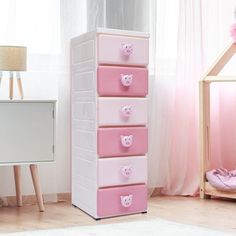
122, 141
122, 200
122, 81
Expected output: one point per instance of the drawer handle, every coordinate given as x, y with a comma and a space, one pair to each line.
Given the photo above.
127, 140
127, 49
126, 110
126, 80
126, 171
126, 201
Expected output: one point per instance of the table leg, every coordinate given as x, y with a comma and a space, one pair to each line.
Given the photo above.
37, 187
17, 176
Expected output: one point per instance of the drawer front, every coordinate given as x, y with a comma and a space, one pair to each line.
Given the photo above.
122, 81
26, 132
122, 50
122, 200
122, 171
122, 141
122, 111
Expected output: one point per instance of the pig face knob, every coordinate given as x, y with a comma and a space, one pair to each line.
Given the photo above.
126, 110
126, 80
127, 49
126, 141
126, 171
126, 201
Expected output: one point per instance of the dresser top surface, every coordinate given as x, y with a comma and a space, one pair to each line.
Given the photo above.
108, 31
122, 32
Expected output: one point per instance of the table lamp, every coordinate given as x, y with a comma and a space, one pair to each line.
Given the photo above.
13, 60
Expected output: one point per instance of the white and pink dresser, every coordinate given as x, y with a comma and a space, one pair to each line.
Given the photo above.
109, 111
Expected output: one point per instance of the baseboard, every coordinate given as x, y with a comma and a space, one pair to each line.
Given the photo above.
31, 199
65, 197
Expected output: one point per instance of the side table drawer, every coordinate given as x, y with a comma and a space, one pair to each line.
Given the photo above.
122, 141
122, 200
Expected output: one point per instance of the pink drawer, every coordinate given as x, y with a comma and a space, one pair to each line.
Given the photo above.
122, 50
122, 111
122, 81
122, 171
122, 200
122, 141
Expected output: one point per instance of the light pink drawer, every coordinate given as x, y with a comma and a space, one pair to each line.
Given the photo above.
122, 111
122, 200
122, 50
122, 81
122, 141
122, 171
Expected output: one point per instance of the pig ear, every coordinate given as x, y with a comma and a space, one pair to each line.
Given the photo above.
131, 196
131, 76
121, 197
122, 75
131, 136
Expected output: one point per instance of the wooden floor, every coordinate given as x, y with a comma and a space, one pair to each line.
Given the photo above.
214, 214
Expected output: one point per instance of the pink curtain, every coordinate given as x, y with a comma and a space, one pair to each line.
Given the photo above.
183, 168
202, 34
223, 126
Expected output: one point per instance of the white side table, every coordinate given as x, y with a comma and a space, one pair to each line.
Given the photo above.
27, 137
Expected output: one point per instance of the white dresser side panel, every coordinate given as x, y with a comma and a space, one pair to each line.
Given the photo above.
83, 118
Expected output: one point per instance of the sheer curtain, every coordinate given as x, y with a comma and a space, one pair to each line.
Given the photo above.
202, 33
182, 157
122, 14
186, 36
21, 23
45, 27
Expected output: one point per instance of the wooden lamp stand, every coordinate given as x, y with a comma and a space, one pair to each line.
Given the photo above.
11, 83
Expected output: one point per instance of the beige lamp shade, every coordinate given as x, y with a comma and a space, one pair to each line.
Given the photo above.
13, 58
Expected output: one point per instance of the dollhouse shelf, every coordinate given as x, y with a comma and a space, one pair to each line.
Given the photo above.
211, 191
206, 190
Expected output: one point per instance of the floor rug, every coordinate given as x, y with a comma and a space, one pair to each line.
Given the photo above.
155, 227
